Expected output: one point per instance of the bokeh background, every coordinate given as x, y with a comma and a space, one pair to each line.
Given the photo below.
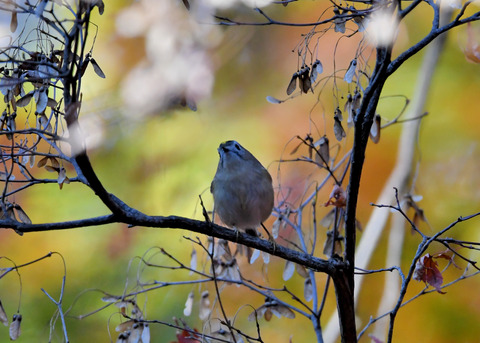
159, 162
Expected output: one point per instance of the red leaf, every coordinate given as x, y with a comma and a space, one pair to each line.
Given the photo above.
426, 270
187, 337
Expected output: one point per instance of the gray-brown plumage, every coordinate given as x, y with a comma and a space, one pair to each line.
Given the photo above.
242, 188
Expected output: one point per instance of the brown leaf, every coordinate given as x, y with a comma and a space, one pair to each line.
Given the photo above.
426, 270
338, 197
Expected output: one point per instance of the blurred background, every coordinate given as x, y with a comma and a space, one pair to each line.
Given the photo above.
159, 161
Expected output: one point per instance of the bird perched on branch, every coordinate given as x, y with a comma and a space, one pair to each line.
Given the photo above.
242, 189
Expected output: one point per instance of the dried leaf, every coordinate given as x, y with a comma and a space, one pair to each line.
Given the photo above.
288, 270
348, 78
338, 197
308, 289
375, 129
292, 84
3, 315
204, 311
338, 129
426, 270
15, 329
97, 68
187, 311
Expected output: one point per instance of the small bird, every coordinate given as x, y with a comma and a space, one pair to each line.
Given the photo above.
242, 189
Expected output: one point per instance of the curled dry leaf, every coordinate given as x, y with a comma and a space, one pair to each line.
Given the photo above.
187, 311
15, 329
338, 197
204, 311
426, 270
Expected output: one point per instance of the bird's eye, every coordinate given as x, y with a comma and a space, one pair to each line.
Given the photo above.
237, 146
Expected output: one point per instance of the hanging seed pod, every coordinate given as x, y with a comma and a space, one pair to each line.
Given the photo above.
349, 75
292, 85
